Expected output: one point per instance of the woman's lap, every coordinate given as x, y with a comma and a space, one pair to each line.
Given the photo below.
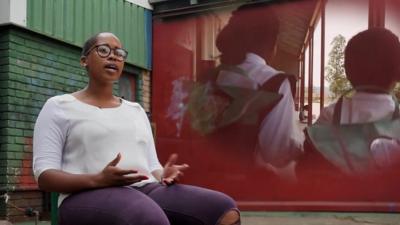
183, 204
186, 204
111, 206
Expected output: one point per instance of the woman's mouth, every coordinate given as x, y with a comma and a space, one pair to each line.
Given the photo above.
111, 67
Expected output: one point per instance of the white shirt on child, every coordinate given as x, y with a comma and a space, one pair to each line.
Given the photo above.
79, 138
279, 139
367, 107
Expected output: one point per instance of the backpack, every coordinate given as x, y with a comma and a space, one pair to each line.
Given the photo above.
215, 107
344, 149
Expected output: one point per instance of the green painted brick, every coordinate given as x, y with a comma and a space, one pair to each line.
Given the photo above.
23, 124
6, 92
37, 53
39, 97
4, 108
17, 39
27, 148
19, 155
60, 80
13, 147
24, 109
4, 99
16, 69
22, 94
5, 53
5, 45
25, 57
8, 124
45, 76
13, 171
32, 44
12, 179
24, 49
28, 133
3, 170
7, 115
30, 73
4, 36
4, 61
20, 63
37, 67
8, 155
4, 68
14, 54
39, 82
7, 140
11, 132
3, 179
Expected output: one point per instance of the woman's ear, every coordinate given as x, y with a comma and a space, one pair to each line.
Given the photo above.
83, 61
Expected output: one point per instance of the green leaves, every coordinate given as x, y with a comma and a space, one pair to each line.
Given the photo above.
335, 72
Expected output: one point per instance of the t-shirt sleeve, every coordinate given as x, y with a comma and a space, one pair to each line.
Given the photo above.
48, 138
154, 163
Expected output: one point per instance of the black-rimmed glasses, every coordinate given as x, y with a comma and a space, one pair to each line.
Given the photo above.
104, 51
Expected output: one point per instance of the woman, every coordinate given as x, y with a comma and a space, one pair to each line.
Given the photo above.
98, 151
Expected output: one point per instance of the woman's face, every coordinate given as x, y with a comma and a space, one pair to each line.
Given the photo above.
102, 68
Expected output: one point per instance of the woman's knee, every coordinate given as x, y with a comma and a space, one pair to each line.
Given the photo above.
232, 217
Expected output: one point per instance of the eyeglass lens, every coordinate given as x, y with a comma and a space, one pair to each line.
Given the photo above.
104, 51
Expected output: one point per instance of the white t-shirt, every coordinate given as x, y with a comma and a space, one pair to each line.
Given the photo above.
79, 138
280, 139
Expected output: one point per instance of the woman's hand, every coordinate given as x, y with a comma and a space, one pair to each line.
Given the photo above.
64, 182
115, 176
172, 172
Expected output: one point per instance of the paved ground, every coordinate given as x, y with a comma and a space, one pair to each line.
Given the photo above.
303, 218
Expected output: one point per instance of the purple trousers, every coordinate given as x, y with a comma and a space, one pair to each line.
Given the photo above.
152, 204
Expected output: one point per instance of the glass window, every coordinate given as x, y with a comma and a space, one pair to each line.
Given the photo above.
127, 87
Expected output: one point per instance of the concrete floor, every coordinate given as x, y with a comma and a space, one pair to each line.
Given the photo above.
303, 218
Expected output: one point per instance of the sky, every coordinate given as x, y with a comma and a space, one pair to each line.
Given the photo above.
342, 17
348, 17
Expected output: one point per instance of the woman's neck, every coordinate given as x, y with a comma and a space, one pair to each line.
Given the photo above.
100, 92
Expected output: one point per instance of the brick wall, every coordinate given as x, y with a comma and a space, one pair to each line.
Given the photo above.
33, 67
146, 91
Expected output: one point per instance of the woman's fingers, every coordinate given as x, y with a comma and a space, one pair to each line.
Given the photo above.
168, 181
182, 167
115, 176
127, 180
125, 172
171, 160
173, 172
115, 161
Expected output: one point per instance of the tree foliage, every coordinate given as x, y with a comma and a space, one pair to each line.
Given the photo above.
335, 72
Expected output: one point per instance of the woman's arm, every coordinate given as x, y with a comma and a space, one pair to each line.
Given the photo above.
63, 182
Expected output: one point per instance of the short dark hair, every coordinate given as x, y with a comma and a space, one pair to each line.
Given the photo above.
251, 28
372, 58
89, 43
